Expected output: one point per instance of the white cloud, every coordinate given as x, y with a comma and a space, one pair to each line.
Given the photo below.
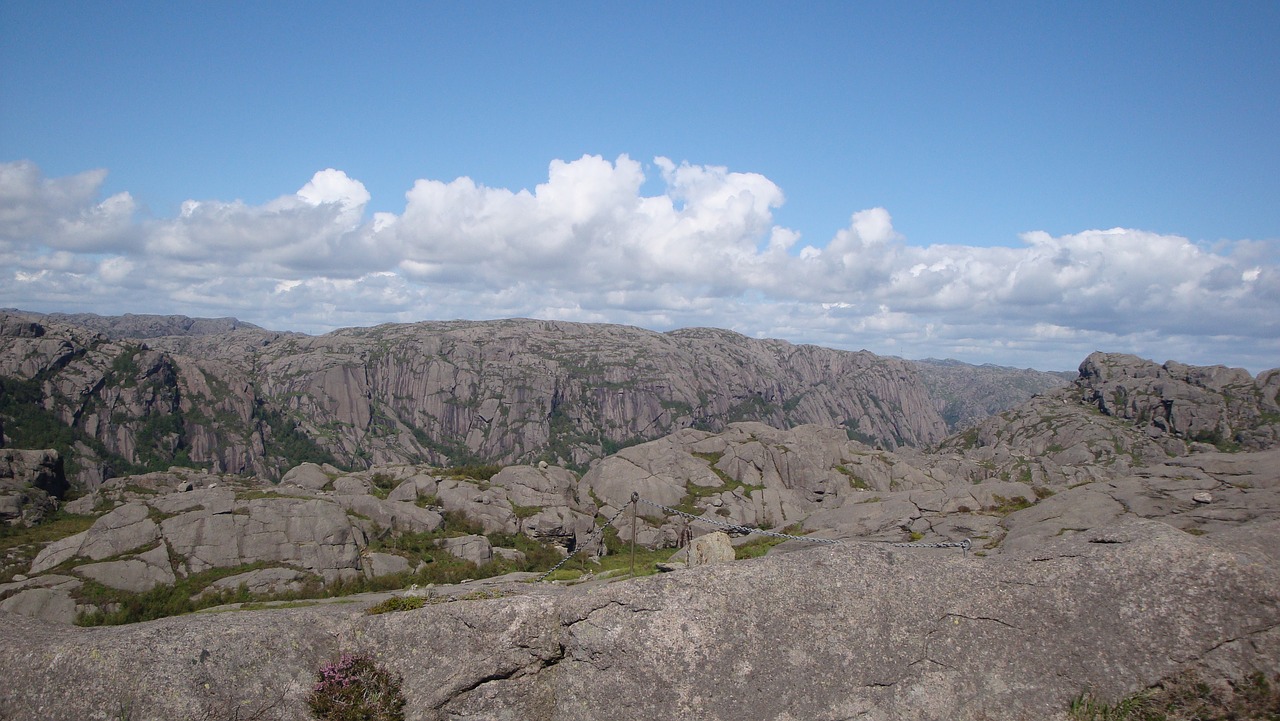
588, 245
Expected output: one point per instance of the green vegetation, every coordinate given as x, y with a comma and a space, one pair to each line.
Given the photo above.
19, 545
694, 492
284, 440
382, 484
615, 564
438, 566
475, 471
355, 688
854, 481
398, 603
563, 436
1187, 698
760, 545
27, 424
1002, 506
168, 600
968, 439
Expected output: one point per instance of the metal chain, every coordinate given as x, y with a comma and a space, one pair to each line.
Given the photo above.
599, 531
966, 544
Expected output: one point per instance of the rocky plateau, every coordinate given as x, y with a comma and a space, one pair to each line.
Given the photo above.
1122, 528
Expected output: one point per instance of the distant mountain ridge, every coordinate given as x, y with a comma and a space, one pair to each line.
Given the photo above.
145, 326
141, 392
967, 393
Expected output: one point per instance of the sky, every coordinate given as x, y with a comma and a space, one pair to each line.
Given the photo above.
1015, 183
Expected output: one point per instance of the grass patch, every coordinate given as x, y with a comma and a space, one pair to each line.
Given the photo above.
1004, 506
382, 484
20, 545
616, 564
475, 471
398, 603
694, 493
1187, 698
854, 481
760, 545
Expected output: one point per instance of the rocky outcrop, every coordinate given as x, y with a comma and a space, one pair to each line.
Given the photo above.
317, 528
31, 483
859, 631
1224, 407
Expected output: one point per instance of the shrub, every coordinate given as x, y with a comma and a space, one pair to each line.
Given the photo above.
398, 603
354, 688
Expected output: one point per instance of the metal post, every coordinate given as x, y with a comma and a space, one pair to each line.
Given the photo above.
635, 497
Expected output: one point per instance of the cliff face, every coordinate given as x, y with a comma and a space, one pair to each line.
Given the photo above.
243, 400
519, 390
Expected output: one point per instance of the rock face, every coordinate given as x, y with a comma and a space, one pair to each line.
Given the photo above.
238, 399
1214, 404
31, 482
847, 632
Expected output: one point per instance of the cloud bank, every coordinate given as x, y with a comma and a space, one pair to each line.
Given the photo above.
588, 245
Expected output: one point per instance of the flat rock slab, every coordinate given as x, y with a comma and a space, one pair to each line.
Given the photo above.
827, 633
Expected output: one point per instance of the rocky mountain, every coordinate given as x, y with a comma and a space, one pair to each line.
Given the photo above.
249, 401
965, 394
1056, 466
1122, 532
131, 325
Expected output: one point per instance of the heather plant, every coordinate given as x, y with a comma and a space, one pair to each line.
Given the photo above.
354, 688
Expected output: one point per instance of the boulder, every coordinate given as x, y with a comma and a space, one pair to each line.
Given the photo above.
264, 581
469, 548
306, 475
124, 529
140, 573
414, 488
385, 564
392, 515
46, 604
312, 534
710, 548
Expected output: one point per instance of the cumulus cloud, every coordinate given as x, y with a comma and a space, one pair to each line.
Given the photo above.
61, 214
588, 245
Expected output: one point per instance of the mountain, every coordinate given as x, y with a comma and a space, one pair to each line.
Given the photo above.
965, 394
140, 393
1120, 537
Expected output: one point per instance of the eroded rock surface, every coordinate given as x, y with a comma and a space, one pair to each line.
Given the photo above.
859, 631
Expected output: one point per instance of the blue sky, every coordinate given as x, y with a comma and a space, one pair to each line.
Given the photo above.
850, 174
